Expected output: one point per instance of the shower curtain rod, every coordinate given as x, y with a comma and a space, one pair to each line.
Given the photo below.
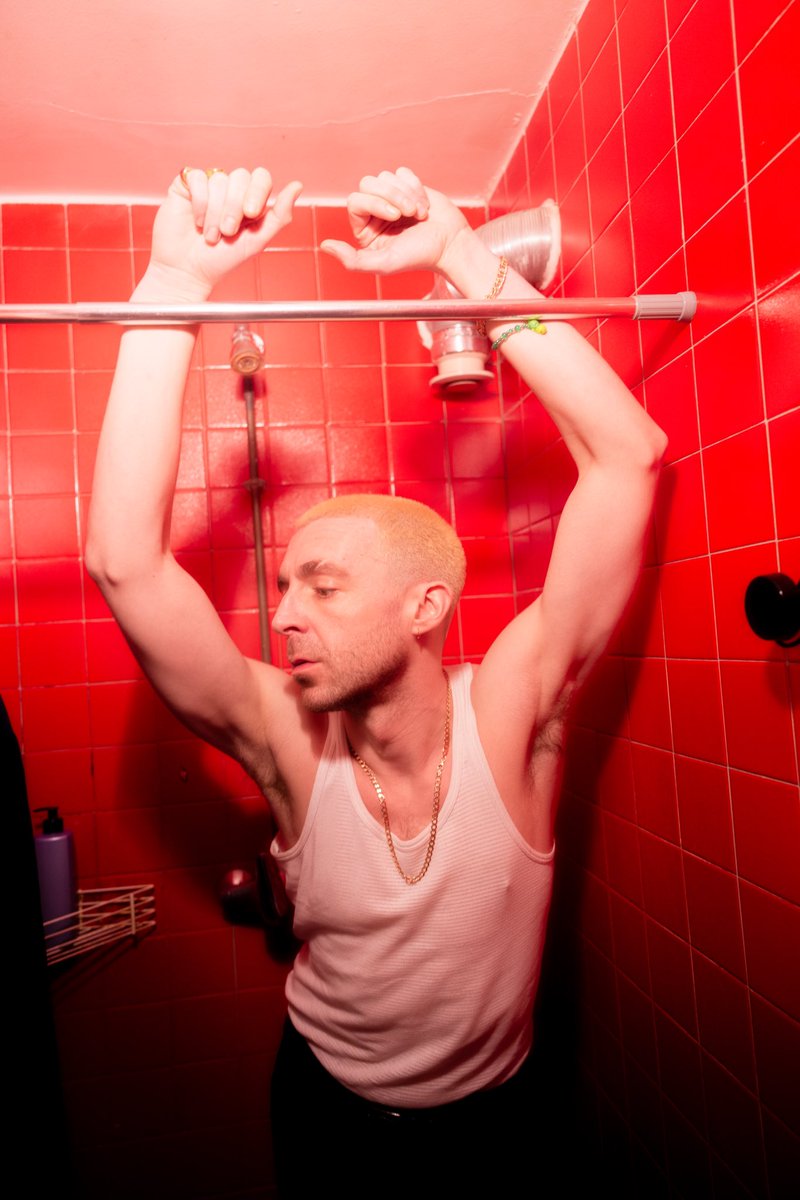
680, 306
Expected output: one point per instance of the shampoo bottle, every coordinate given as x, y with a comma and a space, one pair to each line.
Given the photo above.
55, 860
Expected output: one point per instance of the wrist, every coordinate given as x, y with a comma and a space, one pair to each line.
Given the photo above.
170, 285
462, 250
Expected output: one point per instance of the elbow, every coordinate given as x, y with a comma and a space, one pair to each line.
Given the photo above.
658, 448
113, 567
101, 567
94, 558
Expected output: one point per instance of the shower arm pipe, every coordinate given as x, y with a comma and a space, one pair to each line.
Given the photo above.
679, 306
255, 486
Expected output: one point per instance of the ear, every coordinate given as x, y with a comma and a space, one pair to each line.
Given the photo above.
432, 607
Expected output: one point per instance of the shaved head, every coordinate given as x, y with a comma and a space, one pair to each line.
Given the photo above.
421, 545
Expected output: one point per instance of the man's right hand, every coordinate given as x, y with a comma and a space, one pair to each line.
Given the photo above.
399, 225
209, 225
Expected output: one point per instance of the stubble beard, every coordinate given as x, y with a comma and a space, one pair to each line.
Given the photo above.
358, 684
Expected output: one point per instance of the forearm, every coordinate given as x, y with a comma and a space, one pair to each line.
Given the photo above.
600, 420
139, 449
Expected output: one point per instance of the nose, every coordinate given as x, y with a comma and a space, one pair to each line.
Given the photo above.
288, 618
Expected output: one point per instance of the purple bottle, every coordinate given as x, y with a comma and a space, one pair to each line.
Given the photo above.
55, 860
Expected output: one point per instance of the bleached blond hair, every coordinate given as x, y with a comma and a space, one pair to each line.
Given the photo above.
421, 544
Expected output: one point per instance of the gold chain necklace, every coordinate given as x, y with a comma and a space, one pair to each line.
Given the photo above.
437, 787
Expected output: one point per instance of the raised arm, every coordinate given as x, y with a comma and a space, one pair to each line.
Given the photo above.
204, 229
539, 658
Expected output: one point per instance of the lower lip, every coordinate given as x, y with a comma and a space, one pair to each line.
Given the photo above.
301, 667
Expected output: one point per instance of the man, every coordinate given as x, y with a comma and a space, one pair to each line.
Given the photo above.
420, 873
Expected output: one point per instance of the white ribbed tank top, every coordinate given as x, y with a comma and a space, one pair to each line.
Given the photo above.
416, 995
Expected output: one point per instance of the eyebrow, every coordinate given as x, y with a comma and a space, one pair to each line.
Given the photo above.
316, 566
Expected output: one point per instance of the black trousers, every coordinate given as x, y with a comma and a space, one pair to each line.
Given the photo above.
327, 1139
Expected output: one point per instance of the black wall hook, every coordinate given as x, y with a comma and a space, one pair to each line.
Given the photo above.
772, 608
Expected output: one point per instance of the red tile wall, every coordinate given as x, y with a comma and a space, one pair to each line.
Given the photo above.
167, 1047
668, 136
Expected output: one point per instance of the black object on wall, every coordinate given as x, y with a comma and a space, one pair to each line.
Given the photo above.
36, 1130
772, 608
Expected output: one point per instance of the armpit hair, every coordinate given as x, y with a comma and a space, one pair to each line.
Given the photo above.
549, 736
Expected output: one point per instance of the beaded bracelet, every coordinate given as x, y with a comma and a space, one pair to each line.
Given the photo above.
497, 288
533, 323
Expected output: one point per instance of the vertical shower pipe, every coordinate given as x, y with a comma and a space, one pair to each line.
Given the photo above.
247, 358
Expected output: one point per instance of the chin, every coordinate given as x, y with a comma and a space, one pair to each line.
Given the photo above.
318, 703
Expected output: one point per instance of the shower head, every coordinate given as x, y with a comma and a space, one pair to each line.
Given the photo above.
531, 241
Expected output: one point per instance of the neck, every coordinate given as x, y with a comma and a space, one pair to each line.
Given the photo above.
404, 728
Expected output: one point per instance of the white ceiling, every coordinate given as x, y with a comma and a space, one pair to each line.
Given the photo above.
107, 99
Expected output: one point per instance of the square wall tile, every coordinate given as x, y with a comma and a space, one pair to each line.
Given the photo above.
778, 317
418, 451
35, 277
642, 36
358, 452
719, 267
654, 790
769, 87
751, 23
734, 1127
55, 718
596, 25
723, 1015
648, 703
689, 630
784, 441
98, 226
696, 709
100, 275
564, 82
767, 823
709, 180
701, 58
607, 179
704, 805
42, 464
649, 133
776, 238
680, 1070
29, 225
770, 925
352, 394
40, 401
45, 527
662, 881
738, 515
758, 718
777, 1042
671, 402
656, 217
714, 919
680, 512
29, 346
52, 654
602, 101
729, 379
568, 148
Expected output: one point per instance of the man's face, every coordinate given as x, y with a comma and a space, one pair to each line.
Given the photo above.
342, 613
